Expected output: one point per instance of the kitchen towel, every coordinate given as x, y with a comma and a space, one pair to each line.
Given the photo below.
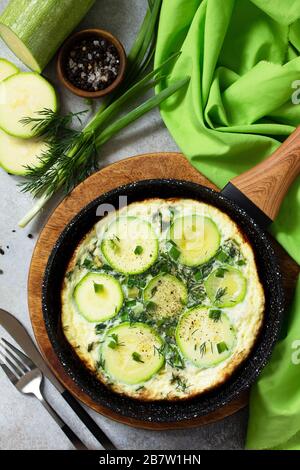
243, 57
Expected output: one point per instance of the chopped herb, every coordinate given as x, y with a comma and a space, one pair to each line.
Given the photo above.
221, 271
181, 383
98, 288
222, 256
137, 357
92, 345
99, 328
140, 388
101, 363
174, 253
138, 250
241, 262
221, 347
215, 315
198, 276
106, 267
220, 293
88, 263
202, 348
115, 243
114, 343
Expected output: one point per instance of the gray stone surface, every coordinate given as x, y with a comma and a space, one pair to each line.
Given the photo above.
23, 422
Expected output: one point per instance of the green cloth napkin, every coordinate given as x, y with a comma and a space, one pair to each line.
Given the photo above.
243, 59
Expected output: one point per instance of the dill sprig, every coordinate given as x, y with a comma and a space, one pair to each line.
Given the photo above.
181, 383
220, 294
52, 124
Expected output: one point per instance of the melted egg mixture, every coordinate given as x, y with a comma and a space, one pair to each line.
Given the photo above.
162, 299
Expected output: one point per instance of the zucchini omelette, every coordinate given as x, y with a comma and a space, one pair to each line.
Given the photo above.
162, 299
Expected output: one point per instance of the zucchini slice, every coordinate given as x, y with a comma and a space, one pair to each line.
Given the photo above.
168, 294
7, 69
24, 95
16, 154
130, 353
226, 286
204, 340
98, 297
130, 245
197, 238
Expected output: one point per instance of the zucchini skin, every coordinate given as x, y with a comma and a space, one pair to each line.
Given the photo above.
42, 26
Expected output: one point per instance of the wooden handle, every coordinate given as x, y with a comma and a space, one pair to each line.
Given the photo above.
267, 183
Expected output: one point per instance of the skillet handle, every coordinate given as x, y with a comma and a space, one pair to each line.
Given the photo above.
266, 184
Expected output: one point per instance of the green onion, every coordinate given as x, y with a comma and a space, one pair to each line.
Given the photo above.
138, 250
98, 288
222, 256
221, 347
221, 271
174, 253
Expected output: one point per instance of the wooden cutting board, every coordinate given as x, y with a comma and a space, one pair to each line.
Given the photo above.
148, 166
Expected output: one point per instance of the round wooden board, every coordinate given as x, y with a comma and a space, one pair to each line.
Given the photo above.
148, 166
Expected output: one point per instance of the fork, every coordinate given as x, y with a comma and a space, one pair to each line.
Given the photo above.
28, 379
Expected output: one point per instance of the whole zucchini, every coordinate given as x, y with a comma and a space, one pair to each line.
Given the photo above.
35, 29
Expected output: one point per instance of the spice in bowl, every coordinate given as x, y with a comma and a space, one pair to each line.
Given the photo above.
93, 64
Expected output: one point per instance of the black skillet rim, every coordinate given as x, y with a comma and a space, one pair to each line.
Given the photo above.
163, 411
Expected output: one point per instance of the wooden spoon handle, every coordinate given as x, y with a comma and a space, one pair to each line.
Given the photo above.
267, 183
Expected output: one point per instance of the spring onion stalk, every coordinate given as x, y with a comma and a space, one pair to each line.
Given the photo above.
108, 133
72, 156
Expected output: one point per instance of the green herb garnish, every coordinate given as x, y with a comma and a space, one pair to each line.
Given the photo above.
137, 357
221, 347
99, 328
138, 250
92, 345
98, 288
202, 348
220, 293
241, 262
215, 314
114, 343
220, 272
181, 383
88, 263
173, 250
101, 363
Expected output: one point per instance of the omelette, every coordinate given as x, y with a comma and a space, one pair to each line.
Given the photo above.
162, 299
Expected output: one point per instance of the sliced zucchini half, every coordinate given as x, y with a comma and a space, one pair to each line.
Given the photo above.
226, 286
16, 154
203, 340
24, 95
7, 69
130, 245
98, 297
130, 353
197, 238
168, 294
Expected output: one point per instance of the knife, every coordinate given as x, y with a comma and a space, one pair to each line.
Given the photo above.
18, 332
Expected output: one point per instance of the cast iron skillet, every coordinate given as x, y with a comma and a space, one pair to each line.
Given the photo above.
266, 184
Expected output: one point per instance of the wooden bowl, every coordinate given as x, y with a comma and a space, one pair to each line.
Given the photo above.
68, 44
